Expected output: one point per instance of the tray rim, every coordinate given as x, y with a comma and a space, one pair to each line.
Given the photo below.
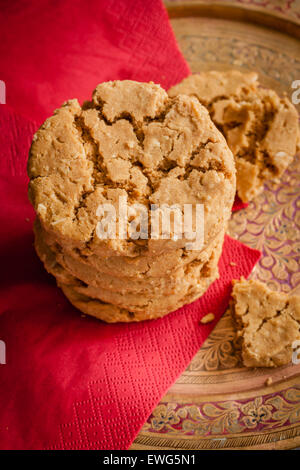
240, 13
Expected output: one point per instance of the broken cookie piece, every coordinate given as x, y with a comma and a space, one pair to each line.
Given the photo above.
261, 128
267, 323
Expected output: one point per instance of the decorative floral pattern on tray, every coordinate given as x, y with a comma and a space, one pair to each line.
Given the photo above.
223, 417
272, 225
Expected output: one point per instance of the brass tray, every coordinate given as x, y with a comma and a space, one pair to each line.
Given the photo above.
217, 403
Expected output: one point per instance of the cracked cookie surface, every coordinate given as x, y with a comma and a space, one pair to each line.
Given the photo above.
131, 140
261, 128
267, 323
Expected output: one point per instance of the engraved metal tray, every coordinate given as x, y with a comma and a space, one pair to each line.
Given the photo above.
217, 403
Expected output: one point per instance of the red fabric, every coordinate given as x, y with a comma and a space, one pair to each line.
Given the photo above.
54, 51
73, 382
239, 204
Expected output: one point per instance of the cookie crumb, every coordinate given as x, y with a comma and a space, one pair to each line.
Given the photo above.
83, 316
232, 263
207, 318
269, 381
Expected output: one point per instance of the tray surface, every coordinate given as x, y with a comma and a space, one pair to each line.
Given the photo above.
217, 403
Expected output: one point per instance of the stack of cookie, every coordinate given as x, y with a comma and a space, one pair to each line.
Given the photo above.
135, 144
261, 129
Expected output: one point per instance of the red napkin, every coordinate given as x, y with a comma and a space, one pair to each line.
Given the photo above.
53, 51
73, 382
239, 204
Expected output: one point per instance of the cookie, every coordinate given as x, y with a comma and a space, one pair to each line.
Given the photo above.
131, 141
261, 128
129, 292
113, 306
267, 323
155, 304
113, 313
121, 272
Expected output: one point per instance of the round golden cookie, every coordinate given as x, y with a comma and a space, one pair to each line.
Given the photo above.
194, 283
155, 307
135, 142
261, 128
129, 292
150, 286
125, 273
113, 313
